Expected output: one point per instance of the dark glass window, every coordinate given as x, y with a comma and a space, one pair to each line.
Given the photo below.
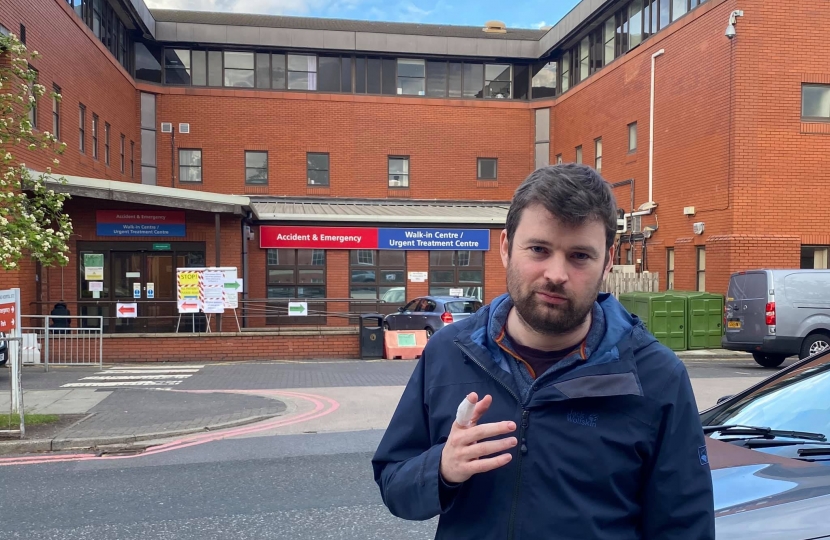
521, 81
317, 169
177, 66
544, 80
360, 75
373, 76
377, 279
487, 168
437, 79
215, 68
389, 76
198, 73
278, 71
473, 80
256, 168
263, 70
148, 62
455, 80
328, 74
462, 270
296, 274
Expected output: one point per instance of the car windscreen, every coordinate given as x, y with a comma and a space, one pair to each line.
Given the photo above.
462, 306
796, 401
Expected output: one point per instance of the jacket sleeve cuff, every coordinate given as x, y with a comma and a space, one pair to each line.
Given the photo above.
447, 491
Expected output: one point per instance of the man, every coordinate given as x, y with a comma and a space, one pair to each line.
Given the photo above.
587, 427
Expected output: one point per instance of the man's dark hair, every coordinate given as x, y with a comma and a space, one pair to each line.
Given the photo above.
574, 194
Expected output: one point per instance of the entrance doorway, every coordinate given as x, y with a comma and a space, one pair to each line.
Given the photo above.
141, 273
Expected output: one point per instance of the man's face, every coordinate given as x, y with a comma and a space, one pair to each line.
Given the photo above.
554, 271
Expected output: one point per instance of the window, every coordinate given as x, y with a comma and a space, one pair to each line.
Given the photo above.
123, 158
263, 70
56, 112
106, 143
377, 275
148, 62
148, 138
302, 72
497, 81
190, 165
33, 109
584, 58
632, 137
82, 128
177, 66
296, 274
215, 77
488, 168
198, 73
815, 102
544, 80
95, 136
239, 69
608, 38
665, 14
579, 154
701, 268
334, 74
558, 159
598, 155
256, 168
669, 268
437, 78
411, 77
132, 159
678, 9
23, 34
473, 80
399, 171
565, 71
317, 166
456, 270
814, 257
635, 29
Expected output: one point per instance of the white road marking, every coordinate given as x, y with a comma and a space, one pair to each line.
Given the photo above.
139, 372
160, 368
149, 376
120, 383
134, 377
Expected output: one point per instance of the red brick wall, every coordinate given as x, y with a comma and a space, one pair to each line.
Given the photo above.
74, 59
442, 137
198, 348
691, 132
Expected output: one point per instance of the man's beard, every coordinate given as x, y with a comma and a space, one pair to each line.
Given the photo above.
546, 318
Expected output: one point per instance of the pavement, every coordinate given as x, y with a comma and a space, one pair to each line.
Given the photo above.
134, 406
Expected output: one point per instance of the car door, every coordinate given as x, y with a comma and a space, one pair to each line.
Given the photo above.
399, 321
746, 308
429, 316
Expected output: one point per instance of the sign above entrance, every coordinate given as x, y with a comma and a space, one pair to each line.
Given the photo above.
140, 223
276, 237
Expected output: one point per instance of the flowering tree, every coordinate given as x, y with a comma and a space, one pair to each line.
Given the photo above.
32, 222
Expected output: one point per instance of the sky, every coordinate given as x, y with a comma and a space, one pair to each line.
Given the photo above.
523, 14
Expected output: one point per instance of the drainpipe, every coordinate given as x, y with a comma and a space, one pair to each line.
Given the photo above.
651, 132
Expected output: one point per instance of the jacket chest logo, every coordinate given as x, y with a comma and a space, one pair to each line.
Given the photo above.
582, 418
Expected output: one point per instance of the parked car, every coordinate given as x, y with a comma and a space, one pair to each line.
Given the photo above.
4, 350
431, 313
777, 313
769, 453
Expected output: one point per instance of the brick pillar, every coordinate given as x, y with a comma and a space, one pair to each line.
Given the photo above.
495, 274
337, 285
416, 261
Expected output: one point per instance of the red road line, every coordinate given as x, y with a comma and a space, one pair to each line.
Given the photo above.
319, 411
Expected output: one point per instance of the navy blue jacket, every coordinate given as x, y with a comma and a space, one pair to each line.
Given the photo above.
610, 445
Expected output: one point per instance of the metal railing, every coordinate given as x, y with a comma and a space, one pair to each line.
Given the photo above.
10, 347
52, 340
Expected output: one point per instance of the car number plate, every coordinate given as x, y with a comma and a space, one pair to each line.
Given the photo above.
734, 324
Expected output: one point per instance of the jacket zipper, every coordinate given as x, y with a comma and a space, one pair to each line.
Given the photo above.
521, 439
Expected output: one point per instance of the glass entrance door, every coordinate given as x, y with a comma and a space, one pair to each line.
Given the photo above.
147, 279
127, 289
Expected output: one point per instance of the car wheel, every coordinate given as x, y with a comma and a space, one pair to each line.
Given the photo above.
813, 344
430, 331
769, 360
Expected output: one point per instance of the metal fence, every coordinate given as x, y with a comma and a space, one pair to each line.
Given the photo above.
55, 340
10, 349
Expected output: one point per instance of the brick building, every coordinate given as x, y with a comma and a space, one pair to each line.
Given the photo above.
310, 154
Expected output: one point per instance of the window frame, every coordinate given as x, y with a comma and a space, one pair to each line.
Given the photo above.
309, 79
94, 136
670, 262
225, 69
558, 159
495, 176
578, 155
805, 118
455, 267
632, 126
406, 175
274, 316
598, 155
56, 112
32, 116
200, 167
309, 183
399, 78
248, 168
700, 273
82, 128
106, 143
132, 159
123, 151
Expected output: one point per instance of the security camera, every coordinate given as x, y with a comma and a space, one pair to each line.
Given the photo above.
733, 20
730, 31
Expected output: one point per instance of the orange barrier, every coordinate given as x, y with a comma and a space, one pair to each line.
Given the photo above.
404, 344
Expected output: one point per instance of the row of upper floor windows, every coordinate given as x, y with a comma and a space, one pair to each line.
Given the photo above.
105, 23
